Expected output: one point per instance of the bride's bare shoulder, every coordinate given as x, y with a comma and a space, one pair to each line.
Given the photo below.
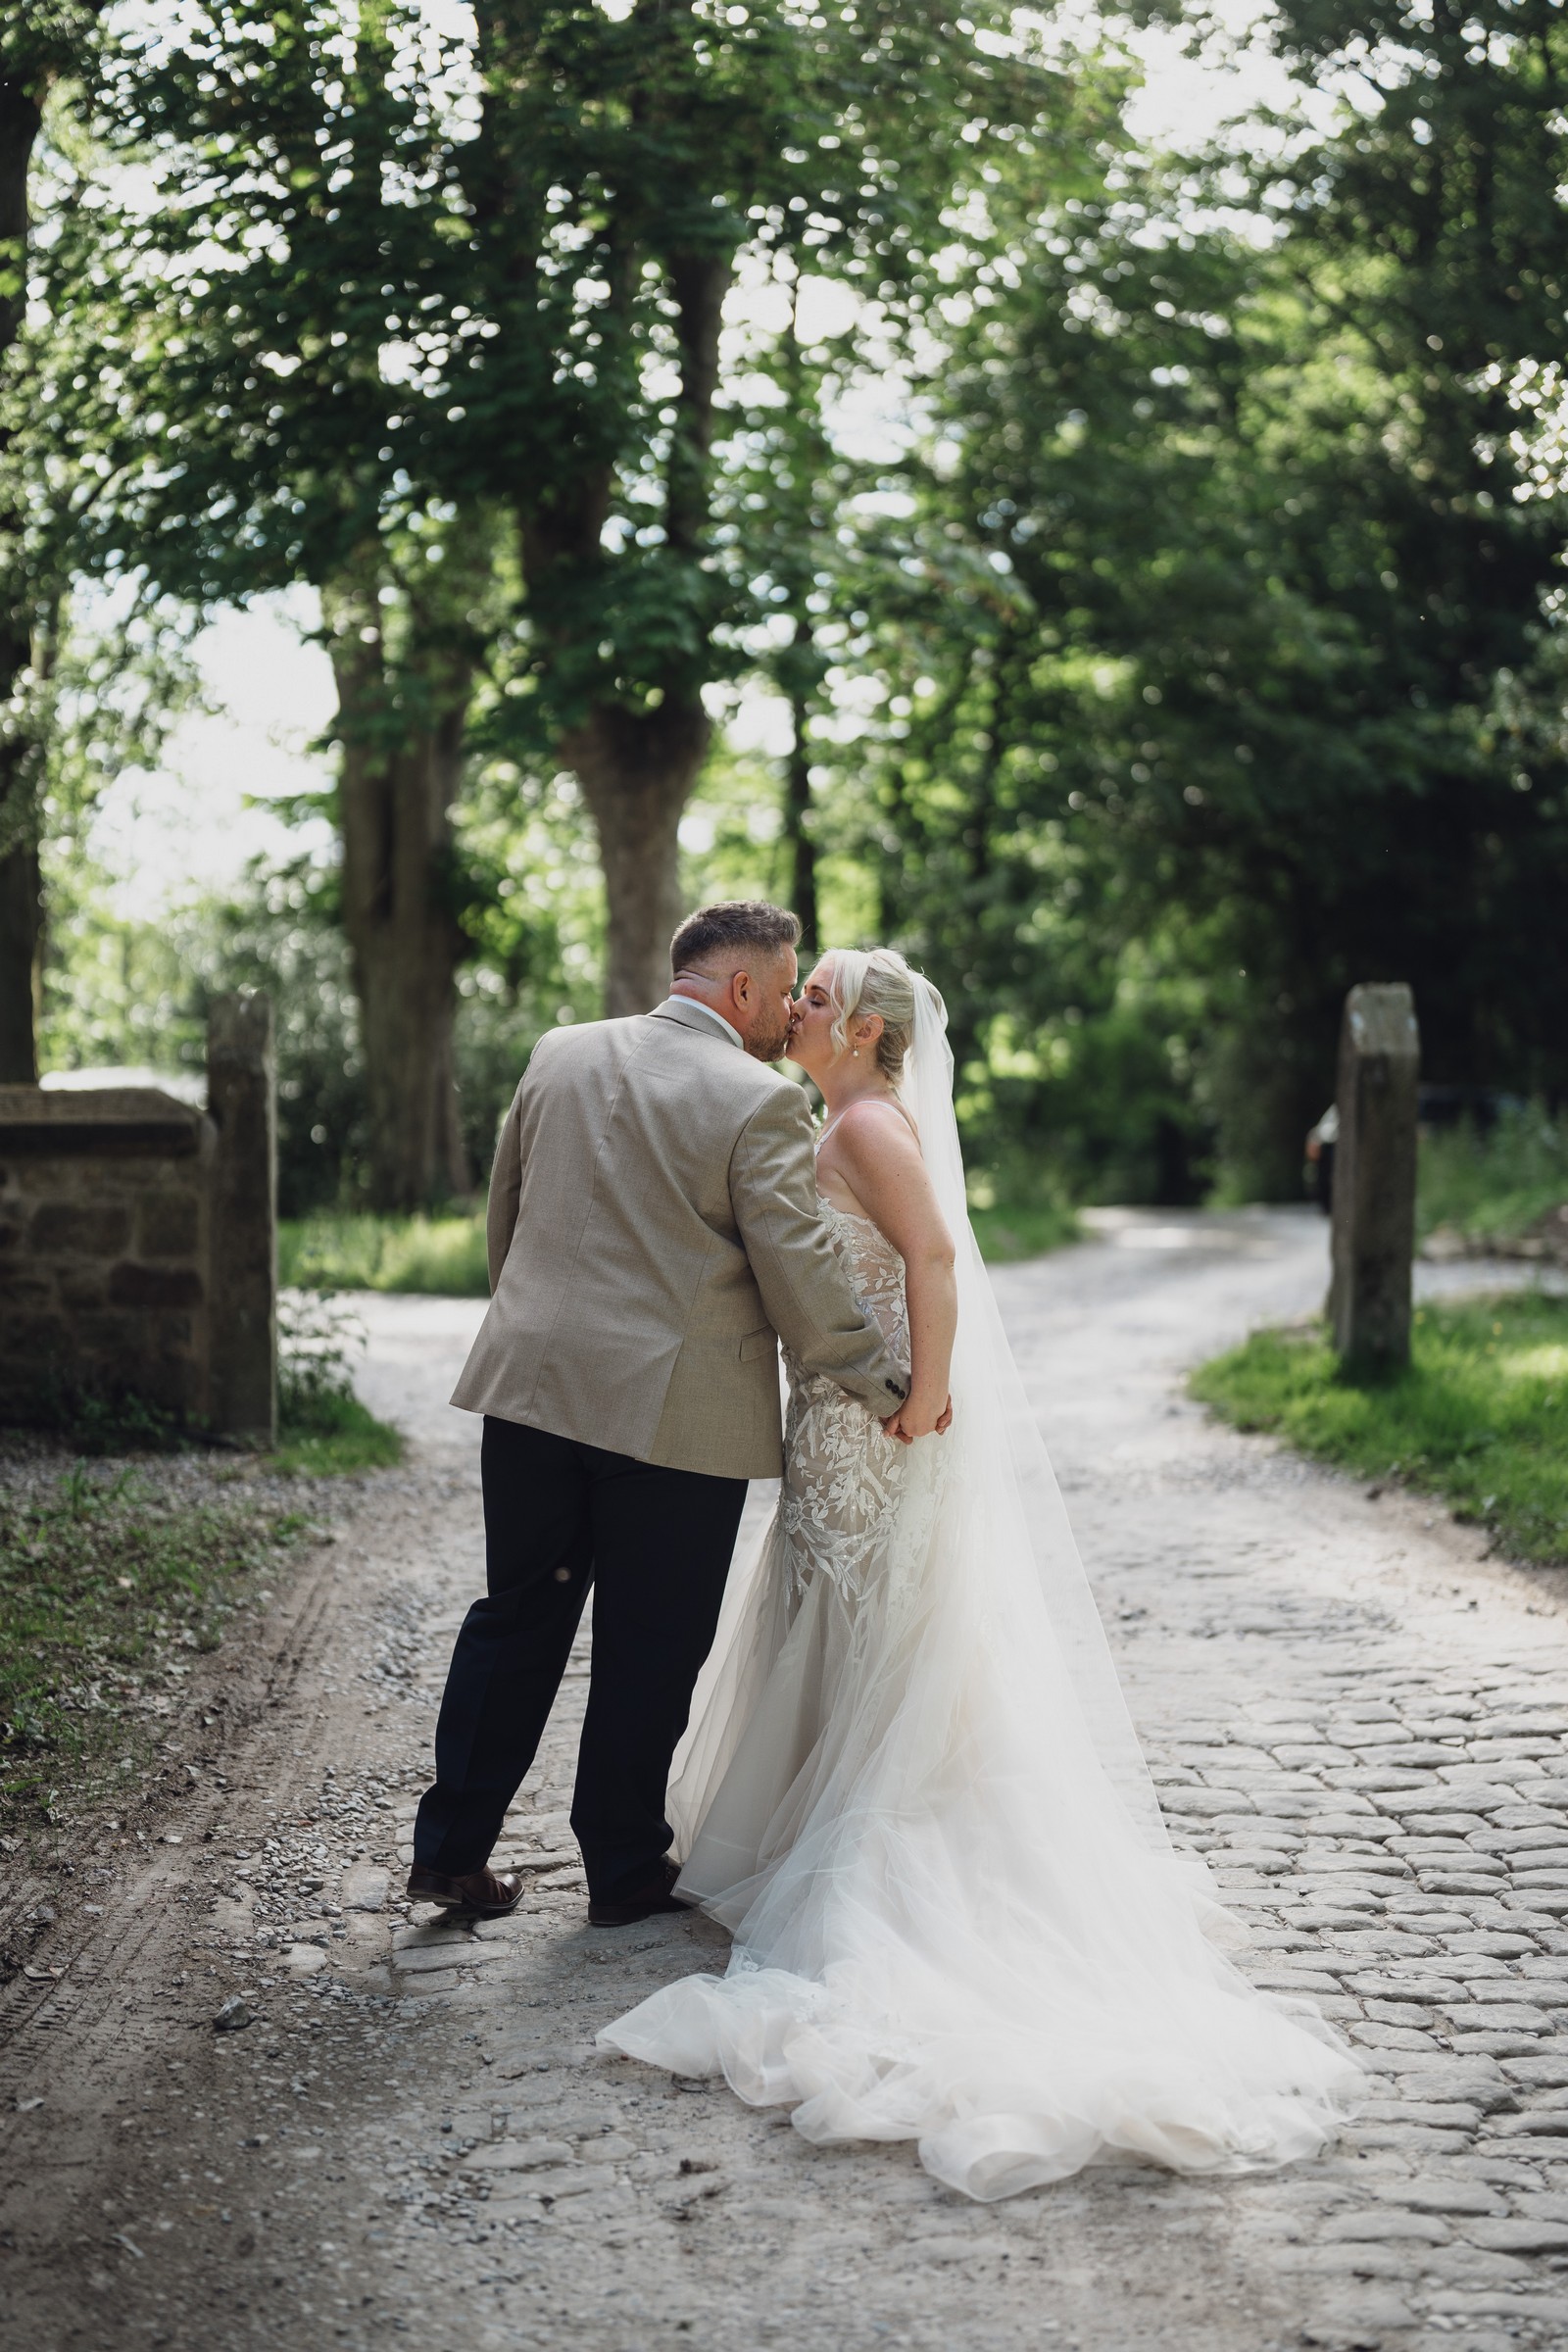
877, 1126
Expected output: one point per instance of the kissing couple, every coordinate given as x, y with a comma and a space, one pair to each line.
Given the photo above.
889, 1752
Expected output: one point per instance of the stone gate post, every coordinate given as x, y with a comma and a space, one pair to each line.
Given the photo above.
242, 1103
1374, 1176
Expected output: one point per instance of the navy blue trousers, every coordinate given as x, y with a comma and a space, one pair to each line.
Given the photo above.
656, 1545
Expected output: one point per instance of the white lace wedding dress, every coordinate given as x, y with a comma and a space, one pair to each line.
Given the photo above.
912, 1791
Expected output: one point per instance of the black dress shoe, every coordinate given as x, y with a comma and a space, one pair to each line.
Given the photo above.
476, 1895
638, 1902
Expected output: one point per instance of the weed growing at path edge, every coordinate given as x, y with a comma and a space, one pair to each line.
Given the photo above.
1480, 1418
322, 1428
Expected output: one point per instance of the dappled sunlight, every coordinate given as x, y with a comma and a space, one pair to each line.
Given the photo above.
1534, 1363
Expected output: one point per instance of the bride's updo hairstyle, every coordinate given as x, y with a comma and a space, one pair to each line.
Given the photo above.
862, 981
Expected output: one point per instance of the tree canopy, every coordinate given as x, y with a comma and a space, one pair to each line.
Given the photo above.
1184, 645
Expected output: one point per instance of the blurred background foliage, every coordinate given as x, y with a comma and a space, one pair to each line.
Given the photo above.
1190, 648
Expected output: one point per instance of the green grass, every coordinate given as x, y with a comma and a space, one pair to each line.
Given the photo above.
322, 1429
109, 1584
1479, 1418
445, 1257
334, 1435
1011, 1230
442, 1257
1493, 1185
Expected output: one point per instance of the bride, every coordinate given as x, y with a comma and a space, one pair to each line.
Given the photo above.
911, 1787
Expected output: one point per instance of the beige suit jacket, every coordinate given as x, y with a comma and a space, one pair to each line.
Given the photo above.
653, 1230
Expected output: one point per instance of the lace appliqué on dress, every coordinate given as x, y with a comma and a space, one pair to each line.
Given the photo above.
845, 1483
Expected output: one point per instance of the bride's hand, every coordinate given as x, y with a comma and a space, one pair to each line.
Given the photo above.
913, 1420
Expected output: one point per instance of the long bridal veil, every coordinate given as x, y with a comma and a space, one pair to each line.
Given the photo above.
965, 1923
1029, 1537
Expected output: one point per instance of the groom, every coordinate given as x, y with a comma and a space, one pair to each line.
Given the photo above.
653, 1230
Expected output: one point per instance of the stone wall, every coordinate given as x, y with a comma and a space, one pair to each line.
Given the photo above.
121, 1215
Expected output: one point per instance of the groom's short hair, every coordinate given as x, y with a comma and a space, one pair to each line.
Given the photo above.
733, 926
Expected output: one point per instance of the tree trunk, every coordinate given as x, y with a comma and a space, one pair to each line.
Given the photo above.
20, 938
21, 906
796, 669
797, 826
638, 766
887, 866
637, 771
401, 771
405, 951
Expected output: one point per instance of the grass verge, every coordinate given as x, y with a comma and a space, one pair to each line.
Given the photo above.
112, 1579
445, 1257
324, 1431
1009, 1231
439, 1256
1479, 1418
1493, 1185
114, 1573
332, 1437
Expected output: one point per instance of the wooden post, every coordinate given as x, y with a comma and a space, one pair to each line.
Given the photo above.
1374, 1177
242, 1102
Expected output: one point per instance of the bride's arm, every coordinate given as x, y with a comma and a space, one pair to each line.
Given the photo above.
880, 1161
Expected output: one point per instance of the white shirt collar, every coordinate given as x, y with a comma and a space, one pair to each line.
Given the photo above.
728, 1027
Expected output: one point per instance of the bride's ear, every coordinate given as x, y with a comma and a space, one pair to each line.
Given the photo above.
868, 1031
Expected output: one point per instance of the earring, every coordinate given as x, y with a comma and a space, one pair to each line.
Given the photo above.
855, 1051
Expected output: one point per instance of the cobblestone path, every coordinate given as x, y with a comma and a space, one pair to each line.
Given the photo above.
1359, 1716
1363, 1723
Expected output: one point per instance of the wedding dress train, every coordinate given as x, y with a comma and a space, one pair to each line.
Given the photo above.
912, 1791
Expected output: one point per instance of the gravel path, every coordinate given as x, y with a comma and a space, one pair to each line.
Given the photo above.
1361, 1718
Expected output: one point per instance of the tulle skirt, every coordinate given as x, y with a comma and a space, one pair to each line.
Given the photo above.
948, 1925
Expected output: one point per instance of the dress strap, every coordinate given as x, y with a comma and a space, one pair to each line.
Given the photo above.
893, 1104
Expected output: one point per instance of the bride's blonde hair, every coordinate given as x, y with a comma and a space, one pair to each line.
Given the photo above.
862, 981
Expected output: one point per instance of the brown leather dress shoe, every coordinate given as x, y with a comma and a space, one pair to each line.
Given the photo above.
639, 1903
477, 1894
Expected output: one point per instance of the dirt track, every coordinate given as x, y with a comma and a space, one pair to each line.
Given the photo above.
1359, 1715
